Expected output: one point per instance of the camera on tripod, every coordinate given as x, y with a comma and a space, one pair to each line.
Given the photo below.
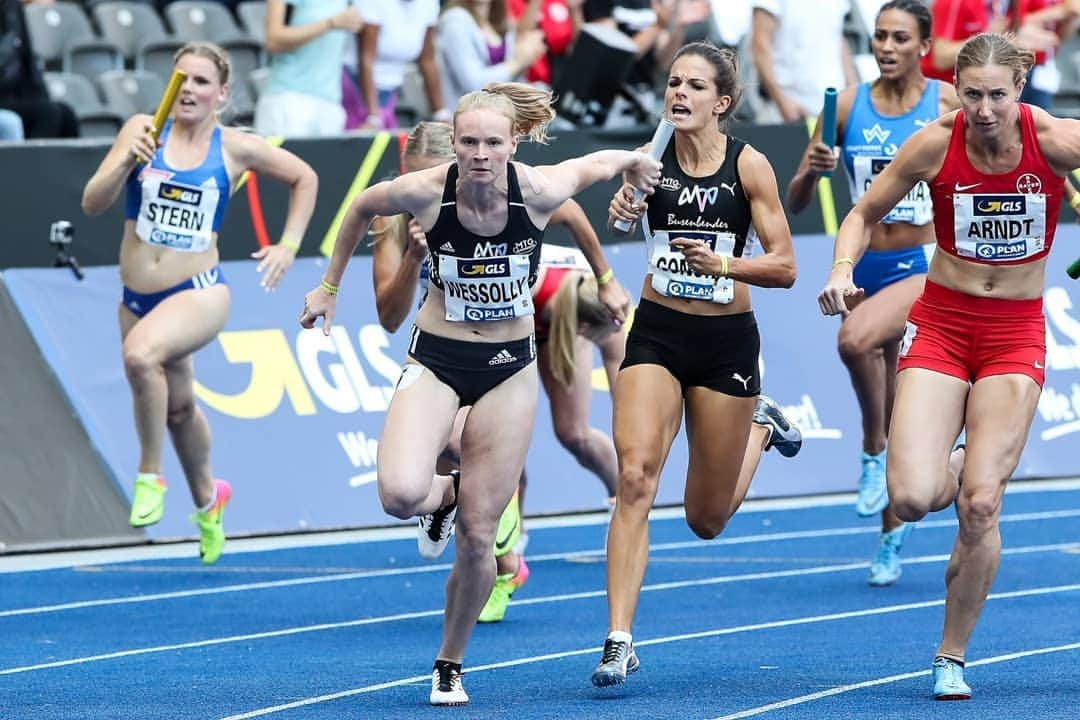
61, 234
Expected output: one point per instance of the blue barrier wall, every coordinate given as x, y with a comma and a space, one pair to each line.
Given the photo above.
296, 416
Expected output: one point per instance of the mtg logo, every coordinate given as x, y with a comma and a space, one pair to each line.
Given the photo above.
699, 195
999, 205
180, 194
672, 184
483, 268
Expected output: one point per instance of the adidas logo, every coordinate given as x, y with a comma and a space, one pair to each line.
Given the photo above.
501, 358
447, 247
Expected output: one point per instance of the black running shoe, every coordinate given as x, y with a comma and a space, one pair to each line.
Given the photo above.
435, 529
785, 437
618, 661
446, 687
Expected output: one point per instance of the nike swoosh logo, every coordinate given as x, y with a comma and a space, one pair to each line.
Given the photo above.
1038, 365
501, 545
962, 188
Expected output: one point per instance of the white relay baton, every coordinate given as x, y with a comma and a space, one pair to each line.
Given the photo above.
657, 146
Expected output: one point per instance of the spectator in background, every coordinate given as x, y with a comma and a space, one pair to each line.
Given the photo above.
656, 27
560, 21
477, 45
307, 41
1033, 18
10, 126
396, 33
798, 49
22, 88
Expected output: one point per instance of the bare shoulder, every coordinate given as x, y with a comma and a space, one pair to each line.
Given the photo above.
845, 99
752, 160
241, 143
948, 100
1059, 139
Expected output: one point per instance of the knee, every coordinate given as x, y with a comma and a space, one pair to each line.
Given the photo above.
637, 483
852, 345
180, 412
573, 437
977, 513
907, 505
474, 544
705, 526
138, 364
399, 499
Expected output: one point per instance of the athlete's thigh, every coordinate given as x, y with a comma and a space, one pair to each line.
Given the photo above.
999, 414
181, 323
648, 407
879, 319
494, 443
928, 413
569, 403
717, 430
417, 427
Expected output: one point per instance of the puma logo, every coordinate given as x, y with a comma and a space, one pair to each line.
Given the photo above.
730, 188
745, 381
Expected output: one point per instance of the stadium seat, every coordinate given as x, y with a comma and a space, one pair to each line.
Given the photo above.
95, 119
131, 91
64, 39
202, 20
131, 26
252, 14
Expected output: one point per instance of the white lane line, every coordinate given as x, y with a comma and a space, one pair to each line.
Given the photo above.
585, 595
840, 689
418, 569
29, 562
656, 641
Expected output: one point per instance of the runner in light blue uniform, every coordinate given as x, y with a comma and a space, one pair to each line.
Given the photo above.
873, 119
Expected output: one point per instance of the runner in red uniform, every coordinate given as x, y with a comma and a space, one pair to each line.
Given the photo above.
974, 347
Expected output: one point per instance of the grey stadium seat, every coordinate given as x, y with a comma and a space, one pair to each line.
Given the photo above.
131, 26
94, 118
64, 39
195, 20
131, 91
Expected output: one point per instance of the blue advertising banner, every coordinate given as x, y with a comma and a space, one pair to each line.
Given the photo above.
296, 415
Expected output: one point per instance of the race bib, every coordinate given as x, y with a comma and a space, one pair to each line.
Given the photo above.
999, 228
177, 216
483, 289
916, 208
671, 276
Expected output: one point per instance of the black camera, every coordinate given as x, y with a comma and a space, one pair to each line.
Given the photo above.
61, 233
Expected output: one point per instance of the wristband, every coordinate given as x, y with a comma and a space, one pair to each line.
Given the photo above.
293, 245
1075, 202
841, 261
723, 266
605, 277
328, 288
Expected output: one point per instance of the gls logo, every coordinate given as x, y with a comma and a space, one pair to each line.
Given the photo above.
176, 193
1000, 205
490, 249
702, 196
471, 268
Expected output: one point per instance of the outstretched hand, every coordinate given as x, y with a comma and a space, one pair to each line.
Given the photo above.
318, 303
645, 173
275, 262
833, 299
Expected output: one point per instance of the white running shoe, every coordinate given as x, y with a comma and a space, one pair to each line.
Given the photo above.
434, 530
446, 687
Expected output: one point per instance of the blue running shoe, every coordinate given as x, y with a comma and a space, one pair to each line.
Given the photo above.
885, 570
873, 492
785, 437
949, 680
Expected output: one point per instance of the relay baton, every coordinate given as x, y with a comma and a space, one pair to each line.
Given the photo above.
828, 122
659, 142
167, 99
1073, 270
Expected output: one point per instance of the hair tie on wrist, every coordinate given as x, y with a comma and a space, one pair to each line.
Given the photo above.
841, 261
328, 288
605, 277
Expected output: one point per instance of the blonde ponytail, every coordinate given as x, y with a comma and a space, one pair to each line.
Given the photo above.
576, 303
529, 108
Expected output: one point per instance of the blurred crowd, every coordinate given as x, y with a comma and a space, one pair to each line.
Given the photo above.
306, 68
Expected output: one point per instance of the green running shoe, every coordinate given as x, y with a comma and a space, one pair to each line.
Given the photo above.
505, 585
211, 534
148, 500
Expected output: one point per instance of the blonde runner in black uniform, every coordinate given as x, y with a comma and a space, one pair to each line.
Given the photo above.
473, 342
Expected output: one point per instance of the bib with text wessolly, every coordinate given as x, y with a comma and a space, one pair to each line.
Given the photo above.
671, 276
489, 288
916, 208
176, 216
1001, 227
